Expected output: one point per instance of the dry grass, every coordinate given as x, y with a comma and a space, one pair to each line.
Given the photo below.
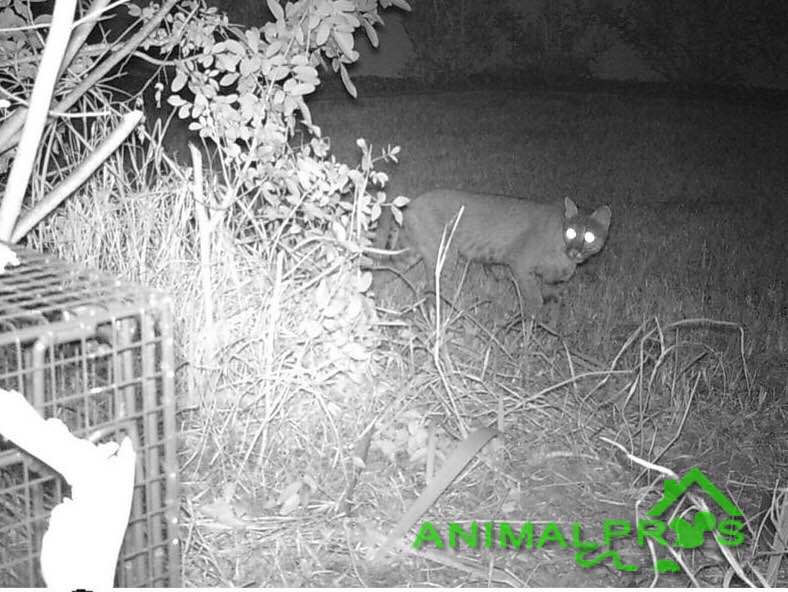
283, 484
697, 192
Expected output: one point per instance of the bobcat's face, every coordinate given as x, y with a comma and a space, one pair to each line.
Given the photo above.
584, 235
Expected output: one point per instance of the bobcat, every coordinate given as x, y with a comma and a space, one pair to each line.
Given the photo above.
541, 243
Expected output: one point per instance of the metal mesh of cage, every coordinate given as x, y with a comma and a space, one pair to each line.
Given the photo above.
98, 355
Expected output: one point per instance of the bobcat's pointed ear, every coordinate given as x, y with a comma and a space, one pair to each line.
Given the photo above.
570, 209
602, 215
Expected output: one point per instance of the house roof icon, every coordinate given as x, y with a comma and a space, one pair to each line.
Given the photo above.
673, 490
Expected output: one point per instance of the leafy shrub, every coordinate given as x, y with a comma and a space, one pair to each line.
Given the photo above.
246, 93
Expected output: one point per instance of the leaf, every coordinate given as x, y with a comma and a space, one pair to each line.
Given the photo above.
349, 86
276, 10
307, 119
397, 215
303, 178
235, 47
354, 308
300, 89
311, 483
222, 512
290, 504
272, 49
176, 101
344, 41
179, 81
322, 33
291, 489
372, 34
335, 307
401, 4
227, 61
356, 351
322, 296
363, 202
228, 79
253, 39
339, 231
380, 178
364, 281
306, 73
400, 201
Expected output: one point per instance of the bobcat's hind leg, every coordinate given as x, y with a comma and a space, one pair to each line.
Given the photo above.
428, 262
429, 294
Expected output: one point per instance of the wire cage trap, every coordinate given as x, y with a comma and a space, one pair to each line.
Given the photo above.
98, 355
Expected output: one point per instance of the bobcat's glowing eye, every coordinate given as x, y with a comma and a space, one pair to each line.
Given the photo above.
570, 234
589, 237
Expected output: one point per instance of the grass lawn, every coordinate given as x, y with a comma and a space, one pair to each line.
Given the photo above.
698, 190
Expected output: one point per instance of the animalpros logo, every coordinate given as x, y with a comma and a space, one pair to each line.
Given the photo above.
727, 528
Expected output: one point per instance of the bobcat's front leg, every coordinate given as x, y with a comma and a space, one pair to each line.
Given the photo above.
551, 296
551, 292
531, 292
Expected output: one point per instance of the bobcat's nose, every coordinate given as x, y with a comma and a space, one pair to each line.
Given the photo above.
575, 255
